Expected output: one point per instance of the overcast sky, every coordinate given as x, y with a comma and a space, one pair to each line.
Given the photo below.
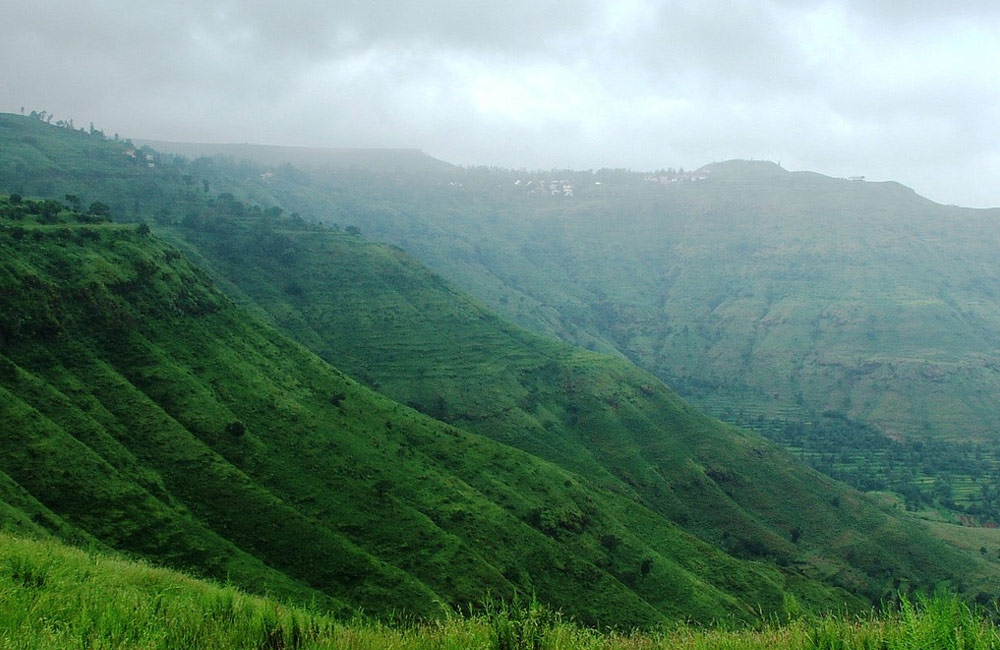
893, 90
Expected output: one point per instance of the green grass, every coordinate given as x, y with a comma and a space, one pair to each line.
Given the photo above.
55, 597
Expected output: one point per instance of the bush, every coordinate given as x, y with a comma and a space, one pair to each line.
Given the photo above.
236, 429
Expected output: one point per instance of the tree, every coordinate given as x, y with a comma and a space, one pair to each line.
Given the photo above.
610, 542
236, 429
49, 211
99, 209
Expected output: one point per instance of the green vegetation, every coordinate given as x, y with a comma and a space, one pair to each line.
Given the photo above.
768, 298
146, 412
419, 341
53, 597
786, 297
186, 403
959, 478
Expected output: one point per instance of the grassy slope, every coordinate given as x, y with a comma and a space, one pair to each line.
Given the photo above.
52, 596
772, 299
760, 527
123, 372
421, 342
774, 290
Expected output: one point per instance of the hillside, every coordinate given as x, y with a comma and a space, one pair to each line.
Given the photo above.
143, 410
795, 289
854, 322
419, 341
781, 294
559, 470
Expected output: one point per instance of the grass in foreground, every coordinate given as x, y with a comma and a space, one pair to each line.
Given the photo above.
52, 596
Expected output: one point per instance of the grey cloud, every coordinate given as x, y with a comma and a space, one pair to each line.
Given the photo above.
838, 85
330, 29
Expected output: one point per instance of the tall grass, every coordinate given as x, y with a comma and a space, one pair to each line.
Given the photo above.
52, 596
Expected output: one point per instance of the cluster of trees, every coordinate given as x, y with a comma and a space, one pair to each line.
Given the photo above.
49, 211
45, 116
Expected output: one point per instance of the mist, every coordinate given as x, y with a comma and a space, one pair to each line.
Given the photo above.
891, 92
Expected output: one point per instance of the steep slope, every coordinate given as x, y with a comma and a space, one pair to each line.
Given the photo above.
419, 341
778, 294
792, 289
625, 444
142, 409
855, 322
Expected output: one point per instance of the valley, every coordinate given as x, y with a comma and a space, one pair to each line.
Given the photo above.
362, 386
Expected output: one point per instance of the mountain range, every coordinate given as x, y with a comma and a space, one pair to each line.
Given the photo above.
201, 369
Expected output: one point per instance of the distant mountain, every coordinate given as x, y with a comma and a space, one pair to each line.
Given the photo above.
855, 322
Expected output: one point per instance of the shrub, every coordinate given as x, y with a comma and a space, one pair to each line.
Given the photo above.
236, 428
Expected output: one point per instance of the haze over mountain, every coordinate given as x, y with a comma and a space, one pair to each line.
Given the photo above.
871, 291
784, 301
497, 324
899, 91
151, 410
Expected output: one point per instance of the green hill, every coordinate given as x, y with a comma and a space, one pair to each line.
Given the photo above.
854, 322
143, 410
793, 290
219, 445
421, 342
781, 295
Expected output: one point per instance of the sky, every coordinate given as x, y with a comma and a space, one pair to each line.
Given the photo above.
891, 90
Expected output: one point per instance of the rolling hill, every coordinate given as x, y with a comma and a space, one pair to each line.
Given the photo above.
786, 294
144, 412
794, 289
854, 322
229, 449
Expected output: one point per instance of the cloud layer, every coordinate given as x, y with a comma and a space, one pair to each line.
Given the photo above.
893, 90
